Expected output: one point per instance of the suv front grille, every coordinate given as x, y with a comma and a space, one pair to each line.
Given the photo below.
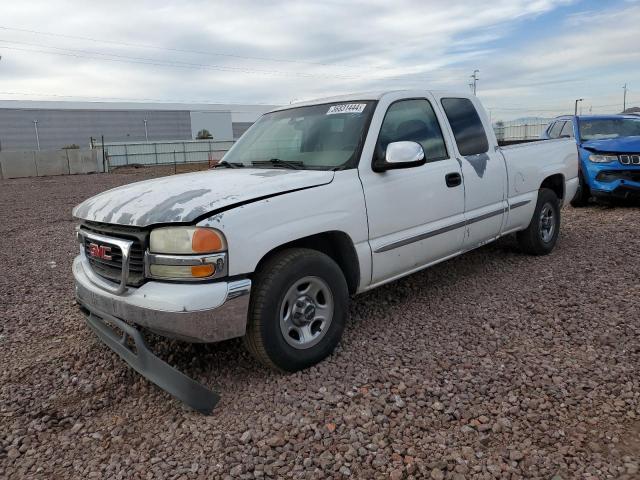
633, 159
112, 269
613, 175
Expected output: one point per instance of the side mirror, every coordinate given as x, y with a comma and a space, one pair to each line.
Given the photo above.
401, 155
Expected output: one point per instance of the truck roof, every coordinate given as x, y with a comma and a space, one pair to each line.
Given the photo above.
373, 95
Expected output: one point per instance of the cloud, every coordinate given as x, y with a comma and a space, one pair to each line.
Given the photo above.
590, 57
272, 52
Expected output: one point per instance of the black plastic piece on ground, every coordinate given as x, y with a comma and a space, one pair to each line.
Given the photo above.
144, 362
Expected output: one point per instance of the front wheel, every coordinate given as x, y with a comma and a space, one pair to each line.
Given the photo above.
298, 309
541, 235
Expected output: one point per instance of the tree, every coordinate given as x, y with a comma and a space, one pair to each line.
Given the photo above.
204, 134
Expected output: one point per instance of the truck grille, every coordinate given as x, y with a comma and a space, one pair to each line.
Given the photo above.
633, 159
112, 269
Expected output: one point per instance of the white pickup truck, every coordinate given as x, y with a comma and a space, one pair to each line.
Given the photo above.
316, 202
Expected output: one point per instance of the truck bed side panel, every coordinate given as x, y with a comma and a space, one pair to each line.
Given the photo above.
528, 165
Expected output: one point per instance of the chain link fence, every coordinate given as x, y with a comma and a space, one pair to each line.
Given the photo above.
182, 152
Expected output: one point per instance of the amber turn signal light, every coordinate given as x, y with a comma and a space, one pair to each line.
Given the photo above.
200, 271
205, 240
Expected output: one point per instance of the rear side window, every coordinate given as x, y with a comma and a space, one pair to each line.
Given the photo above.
466, 125
554, 132
567, 130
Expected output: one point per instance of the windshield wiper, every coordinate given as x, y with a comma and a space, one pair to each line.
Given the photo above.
276, 162
224, 163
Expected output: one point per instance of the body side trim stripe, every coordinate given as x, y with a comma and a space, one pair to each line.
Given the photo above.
422, 236
455, 226
519, 204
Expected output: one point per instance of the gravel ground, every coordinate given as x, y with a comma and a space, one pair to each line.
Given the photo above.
492, 365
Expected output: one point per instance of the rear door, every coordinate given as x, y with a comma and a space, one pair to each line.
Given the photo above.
483, 169
416, 215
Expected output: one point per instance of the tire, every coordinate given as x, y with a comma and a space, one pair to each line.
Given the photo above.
291, 326
582, 196
541, 235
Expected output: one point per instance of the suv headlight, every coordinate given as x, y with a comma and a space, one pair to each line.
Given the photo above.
186, 253
596, 158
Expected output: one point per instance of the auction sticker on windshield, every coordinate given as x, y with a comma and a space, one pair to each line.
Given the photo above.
346, 108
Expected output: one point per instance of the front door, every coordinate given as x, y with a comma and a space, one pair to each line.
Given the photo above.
416, 215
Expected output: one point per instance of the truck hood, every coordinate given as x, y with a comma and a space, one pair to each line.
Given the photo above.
614, 145
184, 198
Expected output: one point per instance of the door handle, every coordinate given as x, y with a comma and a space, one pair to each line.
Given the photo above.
453, 179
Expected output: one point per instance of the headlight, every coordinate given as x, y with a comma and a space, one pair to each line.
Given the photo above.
596, 158
186, 240
186, 253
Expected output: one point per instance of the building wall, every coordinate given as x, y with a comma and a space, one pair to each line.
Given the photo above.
57, 128
218, 124
239, 128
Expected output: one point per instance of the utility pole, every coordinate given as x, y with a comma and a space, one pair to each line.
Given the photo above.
624, 97
35, 126
475, 81
575, 111
146, 132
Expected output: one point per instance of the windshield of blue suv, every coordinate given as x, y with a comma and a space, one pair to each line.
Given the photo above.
323, 137
603, 128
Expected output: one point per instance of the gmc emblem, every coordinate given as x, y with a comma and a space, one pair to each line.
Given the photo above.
99, 251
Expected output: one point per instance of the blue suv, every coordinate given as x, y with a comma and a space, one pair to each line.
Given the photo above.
609, 150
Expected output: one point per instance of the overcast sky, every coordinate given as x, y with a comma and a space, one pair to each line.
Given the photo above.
535, 56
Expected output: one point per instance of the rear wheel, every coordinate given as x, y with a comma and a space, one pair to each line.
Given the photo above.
541, 235
298, 309
582, 196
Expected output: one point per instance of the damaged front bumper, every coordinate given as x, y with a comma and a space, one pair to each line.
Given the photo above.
206, 312
132, 348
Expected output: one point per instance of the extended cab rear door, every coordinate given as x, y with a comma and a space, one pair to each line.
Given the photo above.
416, 214
483, 169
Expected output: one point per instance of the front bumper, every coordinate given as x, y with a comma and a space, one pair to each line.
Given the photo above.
204, 312
131, 347
622, 192
612, 179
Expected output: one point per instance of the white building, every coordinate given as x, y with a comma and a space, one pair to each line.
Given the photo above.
51, 125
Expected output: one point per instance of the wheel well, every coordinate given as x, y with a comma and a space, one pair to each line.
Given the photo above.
335, 244
555, 183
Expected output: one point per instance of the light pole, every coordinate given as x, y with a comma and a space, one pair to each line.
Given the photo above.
475, 80
146, 132
624, 98
35, 126
575, 111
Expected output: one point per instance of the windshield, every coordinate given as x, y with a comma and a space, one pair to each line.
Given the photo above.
597, 129
324, 136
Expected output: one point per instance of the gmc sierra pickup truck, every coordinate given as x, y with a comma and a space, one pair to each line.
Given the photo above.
316, 202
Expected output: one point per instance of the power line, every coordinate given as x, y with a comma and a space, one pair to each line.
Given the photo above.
90, 54
133, 100
150, 61
178, 50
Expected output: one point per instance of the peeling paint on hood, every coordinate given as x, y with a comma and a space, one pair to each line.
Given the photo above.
183, 198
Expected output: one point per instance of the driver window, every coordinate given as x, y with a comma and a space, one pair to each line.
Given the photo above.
415, 121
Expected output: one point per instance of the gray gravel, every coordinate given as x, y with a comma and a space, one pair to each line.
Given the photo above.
492, 365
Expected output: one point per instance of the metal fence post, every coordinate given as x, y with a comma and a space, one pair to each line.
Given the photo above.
105, 167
